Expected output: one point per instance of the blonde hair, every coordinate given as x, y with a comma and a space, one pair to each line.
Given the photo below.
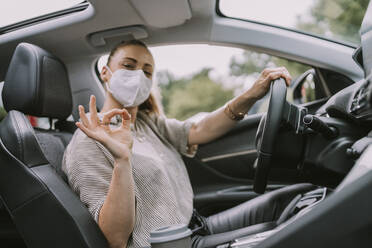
150, 105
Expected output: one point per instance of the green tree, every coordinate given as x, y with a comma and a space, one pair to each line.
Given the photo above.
294, 68
250, 63
184, 98
253, 62
3, 113
337, 18
168, 84
340, 19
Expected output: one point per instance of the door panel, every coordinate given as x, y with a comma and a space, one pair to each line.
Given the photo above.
237, 149
221, 172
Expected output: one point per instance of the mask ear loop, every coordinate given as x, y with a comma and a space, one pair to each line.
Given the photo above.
108, 68
107, 84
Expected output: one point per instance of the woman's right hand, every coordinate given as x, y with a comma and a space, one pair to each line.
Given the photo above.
118, 141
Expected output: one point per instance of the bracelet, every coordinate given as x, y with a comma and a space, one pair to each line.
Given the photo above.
232, 115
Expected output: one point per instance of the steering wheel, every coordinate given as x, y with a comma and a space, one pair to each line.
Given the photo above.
267, 132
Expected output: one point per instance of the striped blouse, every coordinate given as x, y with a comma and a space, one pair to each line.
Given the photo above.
162, 187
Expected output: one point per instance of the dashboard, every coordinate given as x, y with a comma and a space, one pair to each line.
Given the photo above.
348, 114
352, 103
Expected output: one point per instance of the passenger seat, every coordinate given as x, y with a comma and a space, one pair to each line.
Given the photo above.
44, 209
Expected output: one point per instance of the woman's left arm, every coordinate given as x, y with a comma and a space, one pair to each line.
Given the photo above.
218, 123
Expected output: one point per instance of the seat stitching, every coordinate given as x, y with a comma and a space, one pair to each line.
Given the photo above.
29, 200
38, 71
18, 134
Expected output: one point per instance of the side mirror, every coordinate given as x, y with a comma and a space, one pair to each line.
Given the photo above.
304, 87
358, 56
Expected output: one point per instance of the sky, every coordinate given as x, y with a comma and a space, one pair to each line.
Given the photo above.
277, 12
11, 12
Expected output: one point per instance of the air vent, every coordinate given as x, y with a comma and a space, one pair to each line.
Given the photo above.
360, 99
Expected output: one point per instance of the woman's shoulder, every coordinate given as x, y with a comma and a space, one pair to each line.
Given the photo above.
84, 152
80, 141
152, 119
80, 147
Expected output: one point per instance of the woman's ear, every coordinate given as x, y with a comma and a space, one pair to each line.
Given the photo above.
105, 75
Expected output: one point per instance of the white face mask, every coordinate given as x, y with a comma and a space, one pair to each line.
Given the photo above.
129, 87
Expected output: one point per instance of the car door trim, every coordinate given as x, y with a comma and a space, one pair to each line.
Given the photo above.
323, 82
229, 155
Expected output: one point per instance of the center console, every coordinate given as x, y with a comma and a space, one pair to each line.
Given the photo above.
298, 207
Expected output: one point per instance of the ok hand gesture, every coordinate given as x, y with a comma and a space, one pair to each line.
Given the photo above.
118, 141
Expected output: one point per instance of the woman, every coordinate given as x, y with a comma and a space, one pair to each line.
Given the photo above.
128, 169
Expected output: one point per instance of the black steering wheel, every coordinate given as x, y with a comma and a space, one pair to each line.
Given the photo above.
267, 132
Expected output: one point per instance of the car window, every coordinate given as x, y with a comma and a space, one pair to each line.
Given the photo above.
333, 19
20, 10
199, 78
40, 122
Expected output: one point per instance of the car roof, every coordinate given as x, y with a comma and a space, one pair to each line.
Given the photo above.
76, 34
81, 37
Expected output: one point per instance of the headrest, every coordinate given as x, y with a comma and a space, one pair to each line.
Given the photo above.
36, 83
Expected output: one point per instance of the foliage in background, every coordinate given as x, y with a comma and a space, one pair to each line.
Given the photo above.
253, 62
2, 113
185, 98
338, 19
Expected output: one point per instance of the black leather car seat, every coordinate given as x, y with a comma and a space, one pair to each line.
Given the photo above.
44, 209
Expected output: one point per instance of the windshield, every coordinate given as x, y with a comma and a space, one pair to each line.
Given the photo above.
20, 10
333, 19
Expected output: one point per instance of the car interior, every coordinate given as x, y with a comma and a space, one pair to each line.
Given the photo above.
315, 156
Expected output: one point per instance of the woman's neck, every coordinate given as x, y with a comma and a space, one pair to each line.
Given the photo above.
110, 103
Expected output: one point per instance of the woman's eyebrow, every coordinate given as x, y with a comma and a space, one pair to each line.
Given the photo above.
132, 59
135, 61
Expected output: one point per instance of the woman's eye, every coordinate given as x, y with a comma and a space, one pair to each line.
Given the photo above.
148, 73
129, 66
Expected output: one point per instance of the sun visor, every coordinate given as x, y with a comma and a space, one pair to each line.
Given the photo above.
153, 14
101, 38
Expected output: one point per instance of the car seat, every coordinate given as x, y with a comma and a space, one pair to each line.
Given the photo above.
45, 211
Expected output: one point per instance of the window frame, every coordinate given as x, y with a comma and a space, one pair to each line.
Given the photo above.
33, 21
344, 43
